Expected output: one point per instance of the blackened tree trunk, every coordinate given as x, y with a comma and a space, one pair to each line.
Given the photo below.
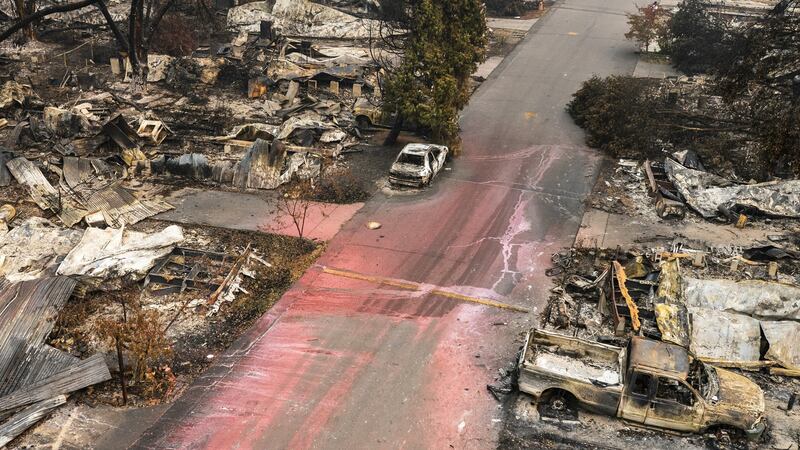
394, 133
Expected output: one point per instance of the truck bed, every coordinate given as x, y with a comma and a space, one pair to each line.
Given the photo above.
582, 369
593, 372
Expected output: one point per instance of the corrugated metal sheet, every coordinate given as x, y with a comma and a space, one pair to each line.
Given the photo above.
85, 373
121, 207
82, 192
20, 421
33, 363
27, 312
84, 176
33, 374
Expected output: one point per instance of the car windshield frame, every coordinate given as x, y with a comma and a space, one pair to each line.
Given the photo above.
703, 379
412, 159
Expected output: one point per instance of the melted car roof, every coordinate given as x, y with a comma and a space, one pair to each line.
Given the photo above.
661, 356
418, 149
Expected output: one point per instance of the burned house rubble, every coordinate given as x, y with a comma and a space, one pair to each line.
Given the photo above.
672, 254
734, 308
95, 288
727, 309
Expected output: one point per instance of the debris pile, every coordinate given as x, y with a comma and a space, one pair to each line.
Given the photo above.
85, 159
734, 307
280, 94
301, 18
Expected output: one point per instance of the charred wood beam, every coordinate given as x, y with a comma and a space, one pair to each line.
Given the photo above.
132, 42
156, 20
121, 41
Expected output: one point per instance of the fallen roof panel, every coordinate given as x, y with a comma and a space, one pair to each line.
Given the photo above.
85, 373
28, 175
31, 372
24, 419
43, 193
27, 312
121, 207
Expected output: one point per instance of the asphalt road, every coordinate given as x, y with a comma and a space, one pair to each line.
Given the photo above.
372, 357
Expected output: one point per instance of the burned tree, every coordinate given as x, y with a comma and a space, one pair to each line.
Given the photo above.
144, 17
765, 76
743, 120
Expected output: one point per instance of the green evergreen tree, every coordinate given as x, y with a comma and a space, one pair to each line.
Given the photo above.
445, 43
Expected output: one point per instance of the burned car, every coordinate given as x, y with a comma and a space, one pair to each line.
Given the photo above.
650, 382
417, 165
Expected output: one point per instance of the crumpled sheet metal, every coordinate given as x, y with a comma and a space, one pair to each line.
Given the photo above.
669, 281
107, 259
784, 342
261, 167
706, 192
43, 193
30, 250
721, 336
304, 165
673, 323
120, 207
84, 176
757, 298
253, 131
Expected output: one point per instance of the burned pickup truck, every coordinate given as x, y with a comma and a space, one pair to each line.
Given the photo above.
649, 382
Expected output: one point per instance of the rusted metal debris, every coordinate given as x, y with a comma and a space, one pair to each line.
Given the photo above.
619, 272
33, 375
118, 129
120, 207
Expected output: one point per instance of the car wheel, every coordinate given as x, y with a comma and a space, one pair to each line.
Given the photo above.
728, 438
558, 404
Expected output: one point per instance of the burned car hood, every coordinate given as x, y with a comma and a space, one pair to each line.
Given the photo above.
739, 399
408, 169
